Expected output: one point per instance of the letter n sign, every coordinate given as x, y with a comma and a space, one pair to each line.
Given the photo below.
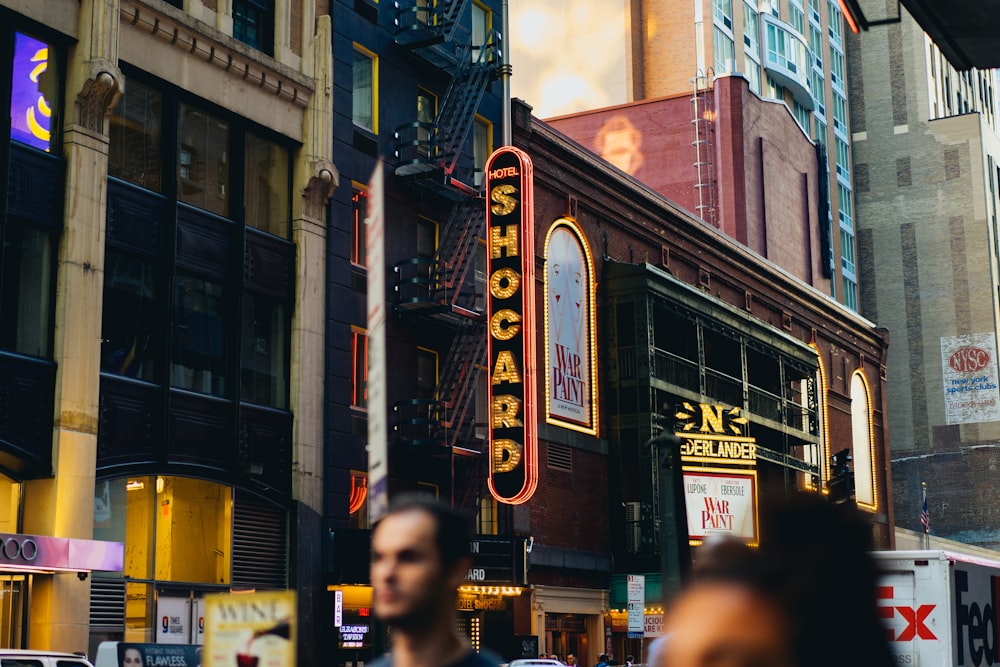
510, 246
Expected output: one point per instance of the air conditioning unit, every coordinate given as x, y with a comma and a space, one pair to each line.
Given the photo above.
633, 527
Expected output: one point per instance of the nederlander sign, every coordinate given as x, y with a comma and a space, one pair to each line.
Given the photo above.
720, 476
510, 245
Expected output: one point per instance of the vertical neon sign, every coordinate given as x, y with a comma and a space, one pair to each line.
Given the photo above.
513, 447
30, 111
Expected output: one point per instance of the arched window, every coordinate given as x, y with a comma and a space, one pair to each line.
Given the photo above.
863, 443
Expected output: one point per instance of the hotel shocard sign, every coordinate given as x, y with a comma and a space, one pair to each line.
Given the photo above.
510, 244
570, 344
720, 476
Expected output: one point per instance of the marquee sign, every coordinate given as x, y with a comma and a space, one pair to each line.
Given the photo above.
570, 329
510, 244
720, 477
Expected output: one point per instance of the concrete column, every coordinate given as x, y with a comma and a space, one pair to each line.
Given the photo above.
314, 180
62, 505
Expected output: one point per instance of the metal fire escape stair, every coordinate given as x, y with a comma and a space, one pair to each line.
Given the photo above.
442, 286
428, 157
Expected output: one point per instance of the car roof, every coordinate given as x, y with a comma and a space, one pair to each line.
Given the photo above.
34, 653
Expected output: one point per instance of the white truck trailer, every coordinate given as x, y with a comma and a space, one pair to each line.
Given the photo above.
939, 608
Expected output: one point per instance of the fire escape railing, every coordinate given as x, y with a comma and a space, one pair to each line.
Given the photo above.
433, 149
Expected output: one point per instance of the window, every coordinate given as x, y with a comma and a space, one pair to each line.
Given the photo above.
482, 147
130, 327
427, 238
751, 28
34, 95
486, 520
839, 113
364, 86
850, 293
723, 51
253, 24
174, 528
359, 204
843, 160
722, 12
359, 353
227, 338
818, 93
27, 284
264, 353
801, 116
845, 206
814, 11
847, 252
427, 373
816, 47
796, 18
819, 134
266, 186
836, 22
203, 162
198, 361
134, 149
837, 68
426, 114
752, 70
863, 447
481, 19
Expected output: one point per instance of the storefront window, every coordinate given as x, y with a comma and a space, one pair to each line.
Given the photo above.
199, 361
26, 289
129, 329
203, 160
10, 504
174, 528
34, 93
264, 356
266, 186
134, 152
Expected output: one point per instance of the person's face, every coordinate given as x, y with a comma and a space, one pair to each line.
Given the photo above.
725, 625
570, 659
410, 585
132, 658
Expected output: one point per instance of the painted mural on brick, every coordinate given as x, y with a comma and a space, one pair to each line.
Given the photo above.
969, 371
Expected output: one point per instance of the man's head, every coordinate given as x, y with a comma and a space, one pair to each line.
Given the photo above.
571, 660
420, 556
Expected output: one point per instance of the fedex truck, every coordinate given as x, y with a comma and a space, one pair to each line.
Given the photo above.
939, 608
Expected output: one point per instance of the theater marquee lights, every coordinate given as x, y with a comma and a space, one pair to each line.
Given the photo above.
510, 246
720, 475
570, 329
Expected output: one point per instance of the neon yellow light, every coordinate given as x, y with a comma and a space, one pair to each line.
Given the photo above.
590, 425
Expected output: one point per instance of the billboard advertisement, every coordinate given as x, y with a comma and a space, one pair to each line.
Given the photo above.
721, 502
969, 372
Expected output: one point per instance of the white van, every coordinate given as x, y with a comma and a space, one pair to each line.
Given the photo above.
26, 658
134, 654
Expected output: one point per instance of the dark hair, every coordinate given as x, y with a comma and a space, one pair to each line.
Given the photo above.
453, 529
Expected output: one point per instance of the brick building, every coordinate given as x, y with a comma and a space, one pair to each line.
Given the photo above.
926, 160
791, 51
689, 323
166, 173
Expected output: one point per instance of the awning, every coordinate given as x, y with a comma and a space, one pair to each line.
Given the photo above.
39, 553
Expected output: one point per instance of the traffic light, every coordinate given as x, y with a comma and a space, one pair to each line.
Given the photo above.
841, 484
840, 463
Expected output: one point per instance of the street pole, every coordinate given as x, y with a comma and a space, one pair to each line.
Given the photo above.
675, 551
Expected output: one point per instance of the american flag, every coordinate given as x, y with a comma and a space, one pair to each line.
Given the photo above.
925, 517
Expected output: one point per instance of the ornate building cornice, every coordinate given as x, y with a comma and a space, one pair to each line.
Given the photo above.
204, 42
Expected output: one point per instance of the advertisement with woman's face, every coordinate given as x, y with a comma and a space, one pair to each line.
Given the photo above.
569, 322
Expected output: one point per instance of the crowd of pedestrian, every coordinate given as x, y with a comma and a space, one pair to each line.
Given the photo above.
788, 603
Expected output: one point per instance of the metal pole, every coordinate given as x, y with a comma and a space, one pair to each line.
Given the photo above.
505, 72
675, 551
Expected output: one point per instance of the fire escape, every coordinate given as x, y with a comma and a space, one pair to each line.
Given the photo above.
434, 159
